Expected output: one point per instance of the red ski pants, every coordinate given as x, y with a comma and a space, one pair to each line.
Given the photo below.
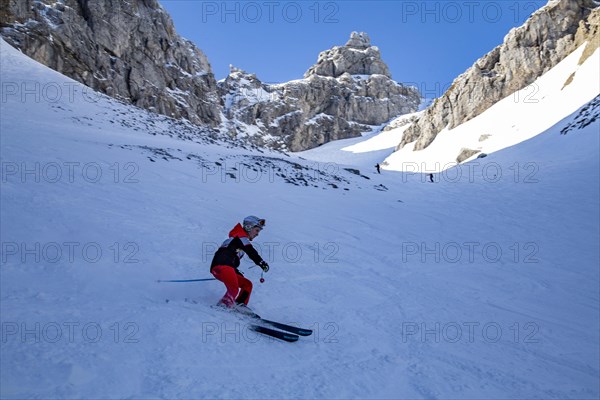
233, 282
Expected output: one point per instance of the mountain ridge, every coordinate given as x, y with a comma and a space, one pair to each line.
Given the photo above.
346, 93
131, 51
547, 37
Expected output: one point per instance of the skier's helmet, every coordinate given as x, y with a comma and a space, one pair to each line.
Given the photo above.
253, 222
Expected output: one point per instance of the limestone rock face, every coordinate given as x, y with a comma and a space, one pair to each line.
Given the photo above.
346, 93
550, 34
357, 57
126, 49
129, 50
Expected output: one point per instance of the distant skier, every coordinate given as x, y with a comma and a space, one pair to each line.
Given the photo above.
227, 258
378, 168
431, 178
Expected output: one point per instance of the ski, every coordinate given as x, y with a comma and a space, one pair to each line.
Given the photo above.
294, 330
286, 336
288, 328
284, 327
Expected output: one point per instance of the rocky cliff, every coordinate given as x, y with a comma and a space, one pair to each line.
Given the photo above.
357, 57
529, 51
346, 93
130, 50
126, 49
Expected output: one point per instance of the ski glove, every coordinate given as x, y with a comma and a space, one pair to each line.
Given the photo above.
264, 266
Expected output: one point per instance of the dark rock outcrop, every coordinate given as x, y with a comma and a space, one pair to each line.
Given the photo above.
126, 49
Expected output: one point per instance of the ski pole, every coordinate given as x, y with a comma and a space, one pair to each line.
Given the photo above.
186, 280
262, 279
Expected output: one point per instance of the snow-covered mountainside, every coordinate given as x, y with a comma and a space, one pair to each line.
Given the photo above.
518, 117
481, 285
549, 35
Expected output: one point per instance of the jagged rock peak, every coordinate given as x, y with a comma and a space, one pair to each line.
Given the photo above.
306, 113
236, 73
233, 70
359, 40
357, 57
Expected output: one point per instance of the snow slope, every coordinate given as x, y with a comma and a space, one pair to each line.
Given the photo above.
518, 117
483, 285
365, 151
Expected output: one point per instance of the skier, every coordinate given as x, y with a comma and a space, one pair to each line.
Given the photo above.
226, 261
431, 178
378, 168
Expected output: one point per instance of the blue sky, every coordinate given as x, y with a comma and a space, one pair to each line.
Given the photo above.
424, 43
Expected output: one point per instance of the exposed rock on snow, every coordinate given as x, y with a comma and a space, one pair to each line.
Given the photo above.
465, 154
587, 115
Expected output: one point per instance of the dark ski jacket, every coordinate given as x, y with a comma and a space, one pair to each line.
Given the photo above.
233, 249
